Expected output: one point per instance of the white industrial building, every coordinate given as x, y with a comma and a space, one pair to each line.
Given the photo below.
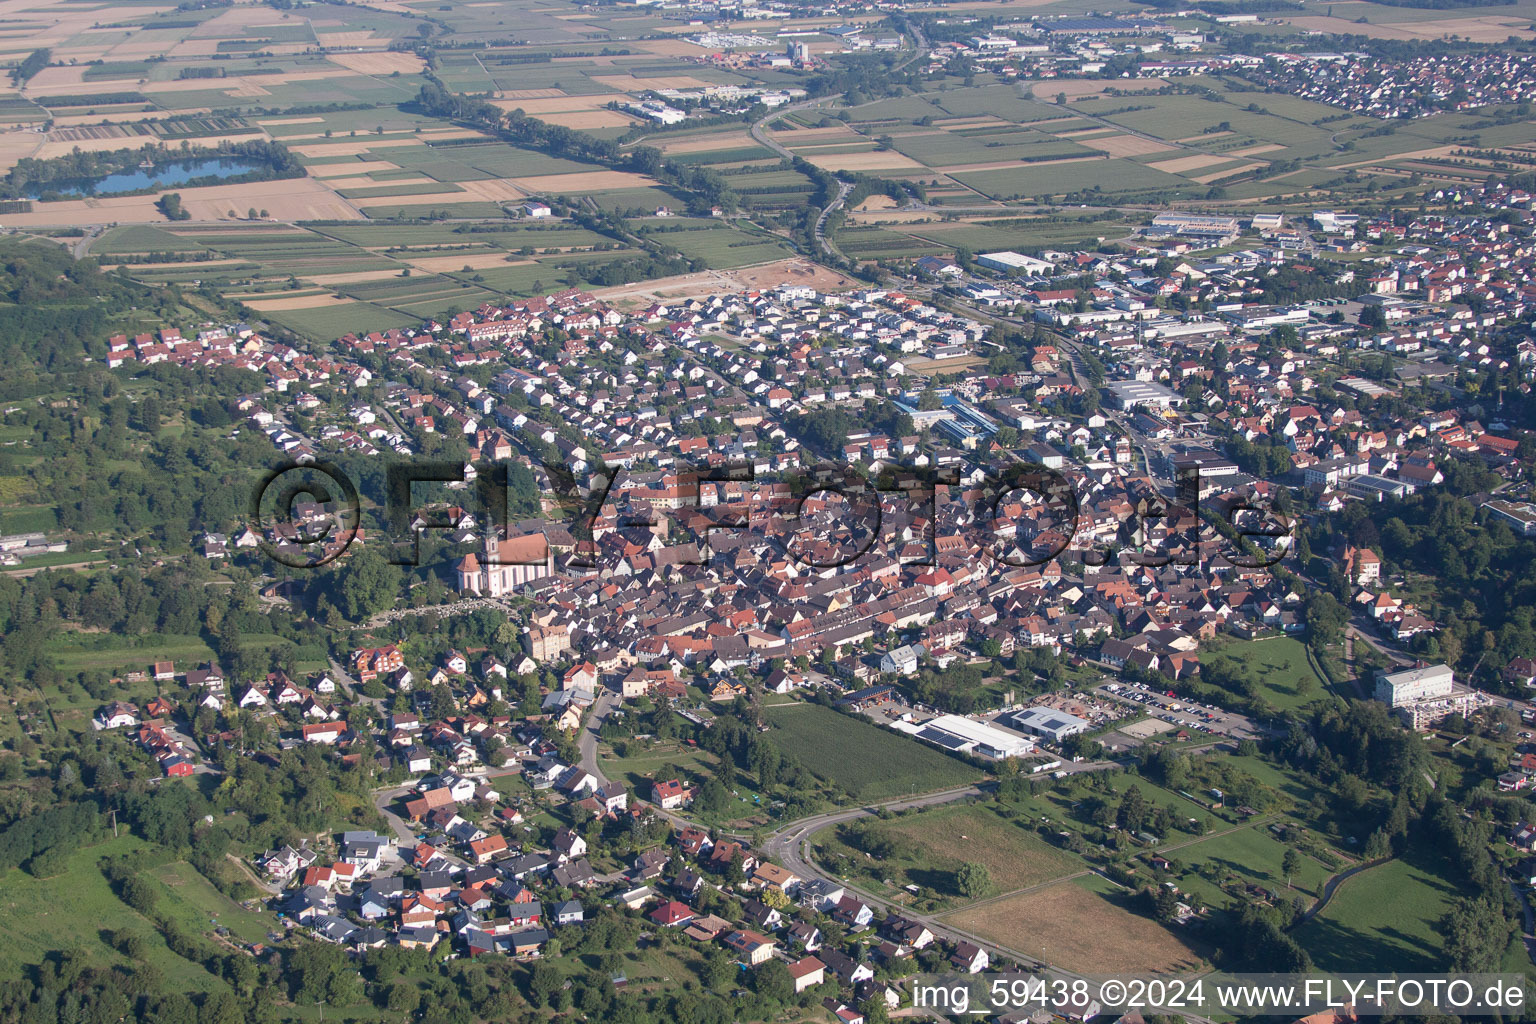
968, 736
1009, 262
1396, 689
1195, 225
1129, 394
1048, 723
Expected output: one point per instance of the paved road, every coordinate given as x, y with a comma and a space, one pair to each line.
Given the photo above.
759, 129
606, 701
822, 241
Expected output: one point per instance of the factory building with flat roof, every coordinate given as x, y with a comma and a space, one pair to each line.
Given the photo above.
1048, 723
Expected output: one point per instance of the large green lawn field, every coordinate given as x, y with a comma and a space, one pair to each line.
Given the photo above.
928, 848
1252, 855
78, 909
1278, 668
866, 761
1383, 919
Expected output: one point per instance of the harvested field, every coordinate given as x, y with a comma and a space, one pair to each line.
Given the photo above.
293, 302
590, 119
1076, 90
1125, 145
493, 190
473, 260
866, 161
949, 124
63, 147
670, 48
1490, 28
379, 63
356, 147
288, 200
353, 277
1178, 165
1074, 926
395, 201
583, 181
1417, 154
1268, 147
330, 172
722, 140
878, 202
560, 104
236, 82
1206, 179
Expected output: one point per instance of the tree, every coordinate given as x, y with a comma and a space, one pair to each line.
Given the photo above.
717, 969
736, 870
366, 583
1290, 864
544, 984
772, 981
972, 880
170, 205
1476, 934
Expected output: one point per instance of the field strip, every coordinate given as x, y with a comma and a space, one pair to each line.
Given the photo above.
1126, 145
1268, 147
295, 302
351, 277
1000, 165
1206, 179
1180, 164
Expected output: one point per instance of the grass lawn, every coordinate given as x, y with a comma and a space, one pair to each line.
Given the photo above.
77, 652
79, 909
865, 760
1383, 919
1279, 669
934, 843
1254, 855
194, 901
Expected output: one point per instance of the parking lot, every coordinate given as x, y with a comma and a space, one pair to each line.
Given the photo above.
1182, 713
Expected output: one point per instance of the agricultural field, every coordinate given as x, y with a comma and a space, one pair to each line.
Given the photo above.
80, 652
1082, 925
323, 281
866, 761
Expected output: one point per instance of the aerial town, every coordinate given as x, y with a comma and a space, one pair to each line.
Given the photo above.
746, 513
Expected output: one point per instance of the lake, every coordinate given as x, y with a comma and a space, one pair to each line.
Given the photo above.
145, 177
